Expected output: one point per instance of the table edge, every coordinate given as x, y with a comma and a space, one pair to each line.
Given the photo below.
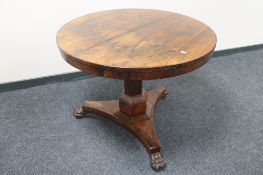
137, 73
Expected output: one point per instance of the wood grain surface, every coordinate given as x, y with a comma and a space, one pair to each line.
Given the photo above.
136, 44
141, 125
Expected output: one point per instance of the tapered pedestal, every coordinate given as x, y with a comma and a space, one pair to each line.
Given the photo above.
134, 111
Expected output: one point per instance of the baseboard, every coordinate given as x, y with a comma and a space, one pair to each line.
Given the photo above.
80, 75
231, 51
43, 81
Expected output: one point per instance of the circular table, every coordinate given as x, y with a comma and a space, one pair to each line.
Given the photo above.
135, 45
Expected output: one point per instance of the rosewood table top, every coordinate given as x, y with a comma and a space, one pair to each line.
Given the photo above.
136, 44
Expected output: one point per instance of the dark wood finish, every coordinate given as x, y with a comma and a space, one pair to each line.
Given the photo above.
135, 45
133, 101
132, 87
141, 125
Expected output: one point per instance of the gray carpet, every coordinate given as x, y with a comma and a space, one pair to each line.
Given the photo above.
210, 123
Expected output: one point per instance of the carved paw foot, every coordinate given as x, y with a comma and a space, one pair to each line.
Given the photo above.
164, 94
79, 112
157, 161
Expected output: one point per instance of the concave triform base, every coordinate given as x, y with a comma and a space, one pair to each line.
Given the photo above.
133, 111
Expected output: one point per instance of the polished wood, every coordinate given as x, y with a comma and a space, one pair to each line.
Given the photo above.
141, 125
133, 101
135, 45
132, 87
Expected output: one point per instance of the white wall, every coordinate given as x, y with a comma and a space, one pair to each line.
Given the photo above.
28, 28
